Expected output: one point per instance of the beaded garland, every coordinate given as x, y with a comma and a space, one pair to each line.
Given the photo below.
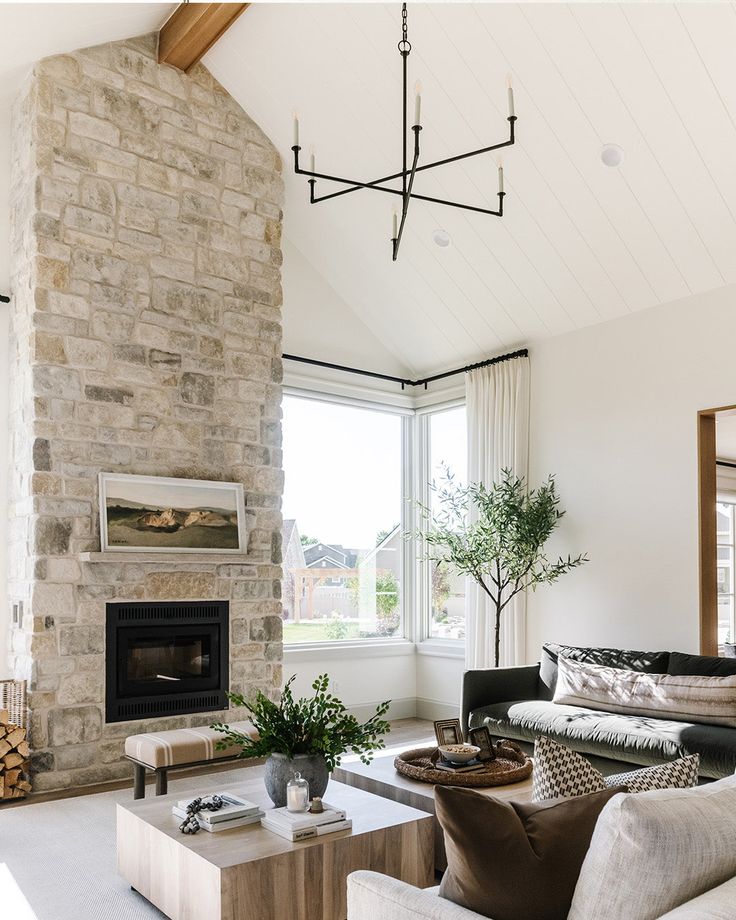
191, 825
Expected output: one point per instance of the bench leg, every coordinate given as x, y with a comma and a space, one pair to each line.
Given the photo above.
139, 781
162, 785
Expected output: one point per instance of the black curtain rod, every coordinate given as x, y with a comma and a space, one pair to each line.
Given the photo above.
4, 299
726, 463
405, 382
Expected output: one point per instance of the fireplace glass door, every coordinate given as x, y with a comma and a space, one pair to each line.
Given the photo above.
159, 659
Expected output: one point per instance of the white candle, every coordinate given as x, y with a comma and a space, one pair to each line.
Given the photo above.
511, 101
396, 225
417, 103
500, 179
311, 162
296, 132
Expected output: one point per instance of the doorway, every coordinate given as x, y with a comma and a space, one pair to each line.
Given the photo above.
717, 525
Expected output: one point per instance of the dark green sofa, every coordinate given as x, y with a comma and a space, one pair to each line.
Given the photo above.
517, 703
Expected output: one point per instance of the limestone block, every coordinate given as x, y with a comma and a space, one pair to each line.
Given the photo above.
41, 455
180, 585
79, 755
100, 129
98, 194
74, 725
62, 570
197, 389
266, 629
51, 536
81, 640
48, 349
49, 599
112, 326
185, 301
81, 688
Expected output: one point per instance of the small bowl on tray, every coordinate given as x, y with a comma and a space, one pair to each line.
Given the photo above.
459, 753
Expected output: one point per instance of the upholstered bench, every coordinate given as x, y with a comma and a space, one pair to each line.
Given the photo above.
160, 752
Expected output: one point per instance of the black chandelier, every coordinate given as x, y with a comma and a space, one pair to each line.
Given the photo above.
408, 173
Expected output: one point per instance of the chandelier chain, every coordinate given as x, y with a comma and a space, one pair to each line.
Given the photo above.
404, 44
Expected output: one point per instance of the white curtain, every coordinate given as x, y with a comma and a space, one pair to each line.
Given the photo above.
497, 403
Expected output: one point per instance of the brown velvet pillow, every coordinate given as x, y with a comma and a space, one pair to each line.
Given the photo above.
512, 860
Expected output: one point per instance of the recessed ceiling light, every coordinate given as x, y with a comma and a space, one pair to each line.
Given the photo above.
441, 238
612, 155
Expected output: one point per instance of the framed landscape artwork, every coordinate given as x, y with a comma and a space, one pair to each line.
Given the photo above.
154, 514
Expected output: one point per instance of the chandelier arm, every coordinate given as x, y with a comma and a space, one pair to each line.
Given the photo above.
357, 186
352, 182
396, 242
465, 207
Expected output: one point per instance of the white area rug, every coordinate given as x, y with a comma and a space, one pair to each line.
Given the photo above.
62, 854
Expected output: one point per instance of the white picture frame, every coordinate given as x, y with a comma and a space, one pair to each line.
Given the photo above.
169, 504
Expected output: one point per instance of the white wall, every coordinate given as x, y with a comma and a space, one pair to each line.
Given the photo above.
438, 686
319, 324
360, 682
614, 418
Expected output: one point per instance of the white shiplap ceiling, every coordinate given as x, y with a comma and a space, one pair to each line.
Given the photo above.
580, 243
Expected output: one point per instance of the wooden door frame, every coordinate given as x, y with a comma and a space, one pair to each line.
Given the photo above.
708, 558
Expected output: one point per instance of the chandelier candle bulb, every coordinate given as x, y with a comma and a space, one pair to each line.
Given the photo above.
417, 102
311, 162
396, 225
296, 132
511, 102
500, 179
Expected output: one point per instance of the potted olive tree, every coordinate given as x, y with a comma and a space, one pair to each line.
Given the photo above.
308, 736
496, 535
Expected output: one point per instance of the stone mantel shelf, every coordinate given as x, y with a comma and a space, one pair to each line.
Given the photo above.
176, 558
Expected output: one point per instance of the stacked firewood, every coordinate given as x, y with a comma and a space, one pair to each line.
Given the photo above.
14, 753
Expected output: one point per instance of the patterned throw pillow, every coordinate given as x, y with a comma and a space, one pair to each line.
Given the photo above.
560, 772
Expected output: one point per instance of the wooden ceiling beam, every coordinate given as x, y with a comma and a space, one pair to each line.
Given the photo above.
192, 29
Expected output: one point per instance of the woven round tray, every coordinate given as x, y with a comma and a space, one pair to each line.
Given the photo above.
510, 766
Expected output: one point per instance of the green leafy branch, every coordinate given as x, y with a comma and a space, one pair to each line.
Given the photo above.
319, 724
495, 534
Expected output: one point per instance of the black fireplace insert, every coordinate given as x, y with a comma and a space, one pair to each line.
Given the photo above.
166, 658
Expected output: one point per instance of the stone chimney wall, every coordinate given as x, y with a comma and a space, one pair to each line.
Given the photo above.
146, 338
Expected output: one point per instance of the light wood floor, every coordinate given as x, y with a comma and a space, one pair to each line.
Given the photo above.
404, 732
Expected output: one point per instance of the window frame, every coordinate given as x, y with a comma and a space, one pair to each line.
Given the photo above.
415, 601
427, 643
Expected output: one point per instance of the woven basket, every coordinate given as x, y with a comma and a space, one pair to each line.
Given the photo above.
510, 766
13, 698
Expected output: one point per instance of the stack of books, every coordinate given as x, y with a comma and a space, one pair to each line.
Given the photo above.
237, 812
470, 767
300, 825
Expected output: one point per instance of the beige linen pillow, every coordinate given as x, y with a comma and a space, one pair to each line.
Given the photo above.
684, 698
654, 851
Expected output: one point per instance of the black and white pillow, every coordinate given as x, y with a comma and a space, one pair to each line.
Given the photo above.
560, 772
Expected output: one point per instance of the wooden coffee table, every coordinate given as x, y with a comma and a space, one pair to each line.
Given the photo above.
249, 872
381, 778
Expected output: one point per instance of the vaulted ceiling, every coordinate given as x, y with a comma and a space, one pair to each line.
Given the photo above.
580, 243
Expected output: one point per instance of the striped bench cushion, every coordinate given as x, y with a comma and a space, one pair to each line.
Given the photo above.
181, 745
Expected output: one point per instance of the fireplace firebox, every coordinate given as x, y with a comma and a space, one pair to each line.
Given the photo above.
166, 658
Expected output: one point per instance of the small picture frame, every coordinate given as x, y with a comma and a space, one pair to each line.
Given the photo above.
448, 731
481, 738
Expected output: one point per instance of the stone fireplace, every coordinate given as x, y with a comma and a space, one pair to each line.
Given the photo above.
146, 338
